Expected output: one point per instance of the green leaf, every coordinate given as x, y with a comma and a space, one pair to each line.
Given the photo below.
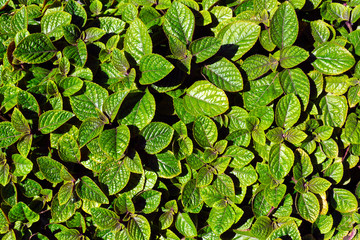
203, 98
169, 166
88, 103
76, 54
52, 23
157, 136
68, 234
21, 212
256, 66
23, 166
61, 213
352, 129
115, 141
222, 219
263, 91
104, 218
224, 185
288, 111
344, 201
281, 160
68, 149
51, 120
88, 190
89, 129
113, 102
284, 26
337, 85
334, 110
70, 85
318, 185
35, 48
240, 156
225, 75
8, 134
308, 206
287, 229
141, 112
295, 81
292, 56
204, 48
137, 40
139, 228
77, 11
112, 24
152, 200
179, 22
247, 175
50, 169
274, 196
153, 68
190, 195
205, 131
93, 34
185, 225
65, 192
115, 175
332, 59
238, 38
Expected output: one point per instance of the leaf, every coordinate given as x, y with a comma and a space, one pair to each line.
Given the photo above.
77, 54
238, 38
23, 166
115, 175
256, 66
292, 56
115, 141
287, 111
70, 85
318, 185
295, 81
205, 131
152, 200
204, 48
8, 134
263, 91
77, 11
203, 98
61, 213
332, 59
35, 48
308, 206
21, 212
104, 218
334, 110
51, 120
169, 166
65, 192
352, 129
180, 22
225, 75
190, 195
141, 112
50, 169
221, 220
87, 104
157, 136
137, 40
68, 149
281, 160
88, 190
52, 22
139, 228
89, 129
153, 68
284, 26
344, 201
224, 185
185, 225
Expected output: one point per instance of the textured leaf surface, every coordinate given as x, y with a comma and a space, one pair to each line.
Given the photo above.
287, 111
203, 98
153, 68
88, 190
115, 141
332, 59
284, 26
281, 160
204, 48
157, 136
225, 75
35, 48
53, 119
308, 206
139, 228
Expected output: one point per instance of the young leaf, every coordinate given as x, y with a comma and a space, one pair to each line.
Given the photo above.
88, 190
204, 48
115, 141
157, 136
139, 228
53, 119
153, 68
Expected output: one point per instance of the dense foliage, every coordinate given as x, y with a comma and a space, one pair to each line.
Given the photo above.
184, 119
